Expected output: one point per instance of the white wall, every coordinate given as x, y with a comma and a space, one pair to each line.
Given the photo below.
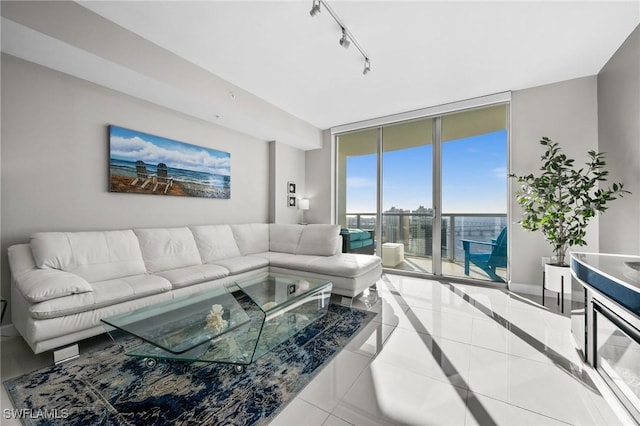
287, 165
566, 112
619, 137
320, 182
55, 160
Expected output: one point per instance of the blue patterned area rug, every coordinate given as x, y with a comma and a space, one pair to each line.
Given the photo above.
109, 388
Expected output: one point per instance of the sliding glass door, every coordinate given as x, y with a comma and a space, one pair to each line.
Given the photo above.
474, 194
432, 191
357, 180
407, 195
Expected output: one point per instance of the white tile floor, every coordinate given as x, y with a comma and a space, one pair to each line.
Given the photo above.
438, 353
434, 358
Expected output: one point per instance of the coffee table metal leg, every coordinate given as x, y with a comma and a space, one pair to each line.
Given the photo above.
238, 368
150, 362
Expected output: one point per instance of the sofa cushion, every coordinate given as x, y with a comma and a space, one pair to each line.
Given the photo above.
355, 234
190, 275
343, 265
270, 255
168, 248
298, 261
94, 256
105, 293
215, 242
319, 240
348, 265
251, 238
241, 264
360, 243
284, 238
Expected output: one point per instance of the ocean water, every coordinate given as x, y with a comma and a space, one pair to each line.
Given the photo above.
415, 231
128, 168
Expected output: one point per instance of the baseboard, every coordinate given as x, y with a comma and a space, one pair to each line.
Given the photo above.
9, 330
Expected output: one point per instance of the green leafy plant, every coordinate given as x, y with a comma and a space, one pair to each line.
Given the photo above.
560, 201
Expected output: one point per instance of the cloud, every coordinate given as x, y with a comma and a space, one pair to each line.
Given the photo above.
359, 182
499, 172
188, 158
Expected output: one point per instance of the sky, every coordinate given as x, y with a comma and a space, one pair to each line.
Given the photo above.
474, 177
130, 145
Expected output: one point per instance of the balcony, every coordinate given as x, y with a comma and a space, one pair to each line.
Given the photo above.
414, 231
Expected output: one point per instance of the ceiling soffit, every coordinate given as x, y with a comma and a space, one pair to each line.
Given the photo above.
69, 38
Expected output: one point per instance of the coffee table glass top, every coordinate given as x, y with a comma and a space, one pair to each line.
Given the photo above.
275, 292
179, 328
289, 304
234, 325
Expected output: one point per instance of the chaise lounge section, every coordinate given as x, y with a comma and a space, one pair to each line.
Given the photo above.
63, 283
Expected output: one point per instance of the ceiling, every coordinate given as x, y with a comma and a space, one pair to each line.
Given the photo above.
269, 70
423, 53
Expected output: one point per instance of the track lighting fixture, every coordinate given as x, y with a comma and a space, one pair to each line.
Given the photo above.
315, 9
347, 38
344, 40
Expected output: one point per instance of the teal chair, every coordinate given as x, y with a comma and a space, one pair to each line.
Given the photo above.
488, 262
358, 241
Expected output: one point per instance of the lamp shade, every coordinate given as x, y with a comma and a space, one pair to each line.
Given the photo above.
304, 204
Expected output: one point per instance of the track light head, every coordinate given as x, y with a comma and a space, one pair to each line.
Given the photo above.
344, 40
315, 9
347, 38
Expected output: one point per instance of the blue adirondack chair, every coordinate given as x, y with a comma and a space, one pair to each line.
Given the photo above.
488, 262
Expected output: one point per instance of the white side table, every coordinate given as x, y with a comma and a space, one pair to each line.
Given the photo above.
392, 254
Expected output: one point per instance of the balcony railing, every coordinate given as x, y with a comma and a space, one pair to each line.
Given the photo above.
415, 230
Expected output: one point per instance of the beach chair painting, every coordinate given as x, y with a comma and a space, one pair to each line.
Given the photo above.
162, 179
141, 163
141, 175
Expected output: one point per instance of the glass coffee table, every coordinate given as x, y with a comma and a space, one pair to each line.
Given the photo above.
288, 304
233, 325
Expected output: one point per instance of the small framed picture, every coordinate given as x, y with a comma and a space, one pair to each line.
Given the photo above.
292, 201
292, 187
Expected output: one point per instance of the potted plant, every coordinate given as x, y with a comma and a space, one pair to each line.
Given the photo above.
560, 201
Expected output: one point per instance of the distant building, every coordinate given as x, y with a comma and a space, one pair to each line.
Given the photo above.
423, 210
414, 229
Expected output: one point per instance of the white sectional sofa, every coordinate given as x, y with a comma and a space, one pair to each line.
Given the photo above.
63, 283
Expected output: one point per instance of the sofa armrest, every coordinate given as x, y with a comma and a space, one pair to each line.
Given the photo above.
38, 285
346, 240
466, 244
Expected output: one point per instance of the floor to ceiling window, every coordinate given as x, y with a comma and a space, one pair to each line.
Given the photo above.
474, 193
407, 198
433, 191
357, 187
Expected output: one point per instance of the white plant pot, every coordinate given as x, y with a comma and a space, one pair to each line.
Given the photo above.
557, 278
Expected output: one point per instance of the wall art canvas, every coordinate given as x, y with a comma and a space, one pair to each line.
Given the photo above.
147, 164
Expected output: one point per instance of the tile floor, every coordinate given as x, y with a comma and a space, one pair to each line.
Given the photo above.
438, 353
